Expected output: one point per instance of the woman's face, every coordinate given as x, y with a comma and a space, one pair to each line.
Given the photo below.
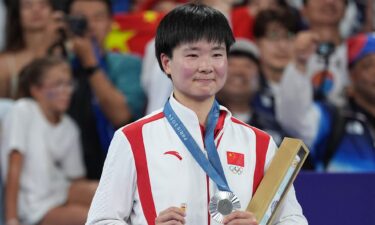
276, 47
35, 14
55, 89
198, 70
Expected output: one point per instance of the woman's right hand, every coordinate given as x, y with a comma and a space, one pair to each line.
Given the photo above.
305, 45
171, 216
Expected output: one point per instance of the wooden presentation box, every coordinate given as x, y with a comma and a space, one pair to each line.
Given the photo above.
277, 180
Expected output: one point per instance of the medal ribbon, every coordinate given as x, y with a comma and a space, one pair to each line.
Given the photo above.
212, 166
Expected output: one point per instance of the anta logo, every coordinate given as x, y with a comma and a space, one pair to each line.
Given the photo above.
236, 162
174, 153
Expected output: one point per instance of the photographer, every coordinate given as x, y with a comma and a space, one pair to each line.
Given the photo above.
320, 51
108, 94
340, 139
320, 55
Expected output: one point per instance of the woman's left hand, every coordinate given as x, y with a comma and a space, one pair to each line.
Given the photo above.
240, 218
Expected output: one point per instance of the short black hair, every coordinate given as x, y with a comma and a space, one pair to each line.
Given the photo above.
284, 17
106, 2
189, 23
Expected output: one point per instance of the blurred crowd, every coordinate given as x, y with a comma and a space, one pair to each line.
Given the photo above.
74, 71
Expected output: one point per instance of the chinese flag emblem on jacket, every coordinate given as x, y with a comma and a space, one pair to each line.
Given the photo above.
236, 159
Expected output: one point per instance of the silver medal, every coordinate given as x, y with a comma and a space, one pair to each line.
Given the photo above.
222, 204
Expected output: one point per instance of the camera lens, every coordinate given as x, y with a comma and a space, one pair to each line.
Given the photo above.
325, 49
77, 25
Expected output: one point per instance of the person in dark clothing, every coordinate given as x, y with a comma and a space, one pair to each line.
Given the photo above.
108, 94
274, 31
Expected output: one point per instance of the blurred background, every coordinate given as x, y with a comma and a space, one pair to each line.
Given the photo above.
299, 68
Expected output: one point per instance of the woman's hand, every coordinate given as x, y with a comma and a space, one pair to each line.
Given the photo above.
171, 216
240, 218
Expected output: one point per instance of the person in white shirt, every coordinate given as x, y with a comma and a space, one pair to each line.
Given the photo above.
322, 51
41, 156
168, 167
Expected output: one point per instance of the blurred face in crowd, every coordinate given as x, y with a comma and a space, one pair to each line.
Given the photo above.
35, 14
275, 47
363, 78
55, 89
324, 12
97, 15
243, 78
164, 6
263, 4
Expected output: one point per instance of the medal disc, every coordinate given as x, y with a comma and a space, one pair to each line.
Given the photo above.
222, 204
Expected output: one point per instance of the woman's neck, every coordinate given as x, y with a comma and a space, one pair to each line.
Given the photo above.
36, 42
52, 116
201, 108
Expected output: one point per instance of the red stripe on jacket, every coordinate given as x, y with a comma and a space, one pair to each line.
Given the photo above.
262, 143
133, 132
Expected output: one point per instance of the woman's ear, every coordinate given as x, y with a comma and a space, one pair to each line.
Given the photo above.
165, 61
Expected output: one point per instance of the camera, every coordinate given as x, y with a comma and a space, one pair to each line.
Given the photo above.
325, 49
77, 25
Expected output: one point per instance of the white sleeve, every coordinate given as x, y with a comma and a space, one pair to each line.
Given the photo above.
15, 128
113, 200
73, 164
295, 108
290, 211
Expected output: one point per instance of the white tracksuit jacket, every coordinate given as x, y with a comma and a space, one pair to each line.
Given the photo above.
148, 169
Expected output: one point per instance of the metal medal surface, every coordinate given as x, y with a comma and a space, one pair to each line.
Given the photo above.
222, 204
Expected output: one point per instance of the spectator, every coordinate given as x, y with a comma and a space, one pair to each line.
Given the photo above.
41, 152
340, 139
327, 69
243, 17
242, 81
274, 32
29, 33
165, 153
109, 94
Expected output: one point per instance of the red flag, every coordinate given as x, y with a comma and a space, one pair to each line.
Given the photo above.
237, 159
131, 32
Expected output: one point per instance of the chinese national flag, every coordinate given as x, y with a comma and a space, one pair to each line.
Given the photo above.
131, 32
234, 158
